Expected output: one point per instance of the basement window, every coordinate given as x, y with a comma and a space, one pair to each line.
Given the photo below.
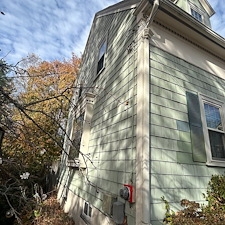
86, 213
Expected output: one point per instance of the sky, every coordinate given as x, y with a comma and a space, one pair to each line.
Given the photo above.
53, 29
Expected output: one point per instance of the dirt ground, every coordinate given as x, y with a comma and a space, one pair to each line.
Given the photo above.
52, 214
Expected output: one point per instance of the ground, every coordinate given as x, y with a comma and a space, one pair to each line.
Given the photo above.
52, 214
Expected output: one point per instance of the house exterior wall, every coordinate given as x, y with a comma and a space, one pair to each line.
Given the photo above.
186, 5
178, 66
176, 63
111, 147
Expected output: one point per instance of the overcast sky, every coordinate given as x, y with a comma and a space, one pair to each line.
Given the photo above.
53, 29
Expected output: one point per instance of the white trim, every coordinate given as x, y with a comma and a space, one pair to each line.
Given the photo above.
143, 129
217, 103
143, 151
103, 41
197, 12
84, 216
117, 10
195, 8
207, 7
84, 105
73, 163
119, 7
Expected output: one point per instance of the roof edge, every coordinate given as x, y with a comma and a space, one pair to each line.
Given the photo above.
118, 7
207, 7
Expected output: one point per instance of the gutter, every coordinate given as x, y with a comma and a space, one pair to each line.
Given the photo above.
209, 31
188, 21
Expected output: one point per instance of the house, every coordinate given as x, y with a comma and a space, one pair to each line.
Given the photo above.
147, 117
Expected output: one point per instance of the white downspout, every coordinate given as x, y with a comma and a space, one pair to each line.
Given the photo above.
153, 13
143, 155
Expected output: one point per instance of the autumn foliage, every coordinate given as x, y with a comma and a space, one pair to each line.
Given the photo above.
206, 214
33, 110
44, 93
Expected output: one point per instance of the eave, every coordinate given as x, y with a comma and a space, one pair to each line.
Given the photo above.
121, 6
205, 4
207, 7
173, 17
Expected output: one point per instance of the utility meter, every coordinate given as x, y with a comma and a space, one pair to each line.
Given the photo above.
127, 193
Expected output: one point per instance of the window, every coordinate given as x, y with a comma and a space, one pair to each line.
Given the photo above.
196, 15
76, 137
86, 213
101, 57
79, 136
214, 130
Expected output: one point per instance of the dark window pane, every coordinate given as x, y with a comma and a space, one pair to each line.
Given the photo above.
86, 208
101, 57
213, 118
216, 143
90, 211
196, 15
76, 138
102, 50
100, 64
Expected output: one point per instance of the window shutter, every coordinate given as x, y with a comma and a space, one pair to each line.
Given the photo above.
197, 135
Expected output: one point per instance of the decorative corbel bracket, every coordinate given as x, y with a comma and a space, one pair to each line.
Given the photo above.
148, 33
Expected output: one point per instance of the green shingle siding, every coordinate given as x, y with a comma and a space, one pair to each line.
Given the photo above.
174, 173
112, 140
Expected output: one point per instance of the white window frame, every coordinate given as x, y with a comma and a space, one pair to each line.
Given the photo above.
83, 106
200, 15
104, 41
219, 104
86, 216
197, 10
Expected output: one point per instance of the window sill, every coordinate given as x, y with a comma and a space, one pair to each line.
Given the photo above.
73, 163
98, 74
216, 163
86, 218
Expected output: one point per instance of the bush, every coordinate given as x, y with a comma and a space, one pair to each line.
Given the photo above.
194, 213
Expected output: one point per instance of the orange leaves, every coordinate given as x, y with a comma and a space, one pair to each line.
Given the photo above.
45, 98
51, 79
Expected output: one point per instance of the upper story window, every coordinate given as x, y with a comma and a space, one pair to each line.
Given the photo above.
101, 57
196, 15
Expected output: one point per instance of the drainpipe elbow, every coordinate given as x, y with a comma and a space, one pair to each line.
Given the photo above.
153, 12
